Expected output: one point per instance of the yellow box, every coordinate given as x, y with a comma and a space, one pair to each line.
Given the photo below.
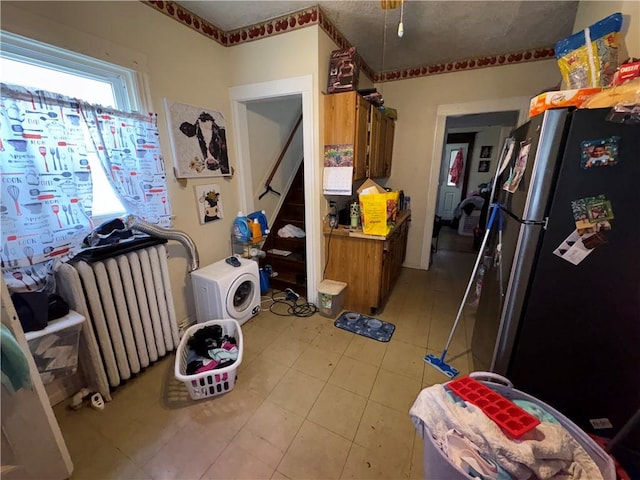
559, 99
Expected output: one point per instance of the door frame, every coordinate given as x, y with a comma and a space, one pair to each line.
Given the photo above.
520, 104
239, 97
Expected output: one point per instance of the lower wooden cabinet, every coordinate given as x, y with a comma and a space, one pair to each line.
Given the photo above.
369, 266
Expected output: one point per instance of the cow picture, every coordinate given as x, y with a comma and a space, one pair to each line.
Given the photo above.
199, 141
209, 203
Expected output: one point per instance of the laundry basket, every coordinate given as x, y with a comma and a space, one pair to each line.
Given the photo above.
214, 382
436, 464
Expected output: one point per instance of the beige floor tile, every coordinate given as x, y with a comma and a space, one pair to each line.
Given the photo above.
189, 454
387, 432
354, 375
279, 476
269, 320
366, 350
285, 353
268, 433
315, 453
338, 410
412, 331
260, 378
395, 391
237, 463
317, 362
256, 340
370, 464
404, 359
296, 392
107, 462
225, 414
305, 329
333, 339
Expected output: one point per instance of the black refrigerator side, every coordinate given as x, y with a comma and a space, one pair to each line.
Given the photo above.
578, 345
542, 138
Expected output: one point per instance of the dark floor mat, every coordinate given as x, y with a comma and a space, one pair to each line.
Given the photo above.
366, 326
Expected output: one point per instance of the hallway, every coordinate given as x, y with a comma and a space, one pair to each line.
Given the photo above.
311, 400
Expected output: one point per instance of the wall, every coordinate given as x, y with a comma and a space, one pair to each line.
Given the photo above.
417, 101
269, 125
177, 63
485, 136
590, 12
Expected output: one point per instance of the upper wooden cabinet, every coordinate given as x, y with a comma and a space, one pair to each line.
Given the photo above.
350, 119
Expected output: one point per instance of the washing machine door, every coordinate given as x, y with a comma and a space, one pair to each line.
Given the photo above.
240, 296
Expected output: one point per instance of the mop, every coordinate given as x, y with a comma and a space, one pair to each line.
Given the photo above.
438, 362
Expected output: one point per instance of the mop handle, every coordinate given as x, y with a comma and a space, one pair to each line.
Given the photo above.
495, 208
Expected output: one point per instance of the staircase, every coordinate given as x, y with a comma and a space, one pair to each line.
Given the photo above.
291, 269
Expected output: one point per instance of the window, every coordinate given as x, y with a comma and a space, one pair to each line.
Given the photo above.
37, 65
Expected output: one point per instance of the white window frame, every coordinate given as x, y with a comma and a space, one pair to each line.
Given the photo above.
124, 81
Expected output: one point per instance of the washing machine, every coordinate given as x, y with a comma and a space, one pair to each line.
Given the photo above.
222, 290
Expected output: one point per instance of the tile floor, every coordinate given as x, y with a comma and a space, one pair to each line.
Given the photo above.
311, 400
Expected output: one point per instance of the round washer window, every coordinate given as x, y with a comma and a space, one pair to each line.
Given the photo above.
242, 296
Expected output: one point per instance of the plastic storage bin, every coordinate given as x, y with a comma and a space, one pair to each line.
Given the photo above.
331, 295
214, 382
437, 466
55, 348
468, 223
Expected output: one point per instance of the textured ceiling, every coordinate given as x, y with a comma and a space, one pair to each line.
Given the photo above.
434, 31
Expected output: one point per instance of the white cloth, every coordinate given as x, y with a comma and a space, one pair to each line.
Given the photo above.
291, 231
548, 451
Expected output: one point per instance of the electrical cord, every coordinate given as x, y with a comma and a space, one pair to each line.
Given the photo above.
294, 305
326, 263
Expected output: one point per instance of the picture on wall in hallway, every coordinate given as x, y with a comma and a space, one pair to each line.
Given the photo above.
485, 151
198, 141
483, 165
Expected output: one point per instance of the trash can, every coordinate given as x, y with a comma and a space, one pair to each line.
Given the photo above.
331, 296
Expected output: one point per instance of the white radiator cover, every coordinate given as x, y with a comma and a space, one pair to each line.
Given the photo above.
128, 302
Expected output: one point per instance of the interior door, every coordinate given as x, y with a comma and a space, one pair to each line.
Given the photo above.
32, 443
449, 190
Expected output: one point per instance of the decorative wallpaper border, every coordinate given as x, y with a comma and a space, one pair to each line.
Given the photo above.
315, 16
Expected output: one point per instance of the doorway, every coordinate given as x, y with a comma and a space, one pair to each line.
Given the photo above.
467, 114
302, 87
454, 173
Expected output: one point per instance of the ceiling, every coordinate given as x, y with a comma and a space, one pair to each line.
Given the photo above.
435, 32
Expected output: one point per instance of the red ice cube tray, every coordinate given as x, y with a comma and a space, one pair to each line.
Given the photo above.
513, 420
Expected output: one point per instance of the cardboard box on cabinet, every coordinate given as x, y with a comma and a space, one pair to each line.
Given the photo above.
343, 71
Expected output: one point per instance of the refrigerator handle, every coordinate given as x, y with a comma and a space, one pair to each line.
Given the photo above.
523, 221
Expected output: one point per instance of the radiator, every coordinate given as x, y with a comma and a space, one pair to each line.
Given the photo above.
128, 302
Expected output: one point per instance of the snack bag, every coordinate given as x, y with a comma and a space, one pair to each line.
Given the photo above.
589, 58
378, 212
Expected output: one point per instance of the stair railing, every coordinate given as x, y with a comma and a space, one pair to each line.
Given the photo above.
267, 184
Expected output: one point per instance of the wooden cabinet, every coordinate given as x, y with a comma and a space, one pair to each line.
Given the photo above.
369, 265
346, 117
350, 119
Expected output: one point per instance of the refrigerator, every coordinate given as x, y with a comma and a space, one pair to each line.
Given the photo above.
559, 311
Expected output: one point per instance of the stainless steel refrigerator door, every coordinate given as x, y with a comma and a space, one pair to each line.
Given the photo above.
497, 316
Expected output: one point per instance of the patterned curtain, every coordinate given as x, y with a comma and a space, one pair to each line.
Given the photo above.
46, 187
129, 150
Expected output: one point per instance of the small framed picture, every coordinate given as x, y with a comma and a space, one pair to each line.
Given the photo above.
209, 202
485, 151
483, 165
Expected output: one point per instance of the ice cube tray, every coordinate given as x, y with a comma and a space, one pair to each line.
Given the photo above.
513, 420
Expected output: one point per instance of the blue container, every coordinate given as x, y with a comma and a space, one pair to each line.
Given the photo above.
262, 220
264, 281
241, 229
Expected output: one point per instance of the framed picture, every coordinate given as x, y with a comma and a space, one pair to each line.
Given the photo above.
485, 151
483, 165
209, 203
198, 141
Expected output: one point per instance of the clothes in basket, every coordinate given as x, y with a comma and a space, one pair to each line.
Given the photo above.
550, 451
209, 382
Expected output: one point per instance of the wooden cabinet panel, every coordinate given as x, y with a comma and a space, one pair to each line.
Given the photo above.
389, 133
376, 148
369, 266
345, 123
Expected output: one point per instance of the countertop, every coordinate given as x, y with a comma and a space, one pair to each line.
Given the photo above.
346, 231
